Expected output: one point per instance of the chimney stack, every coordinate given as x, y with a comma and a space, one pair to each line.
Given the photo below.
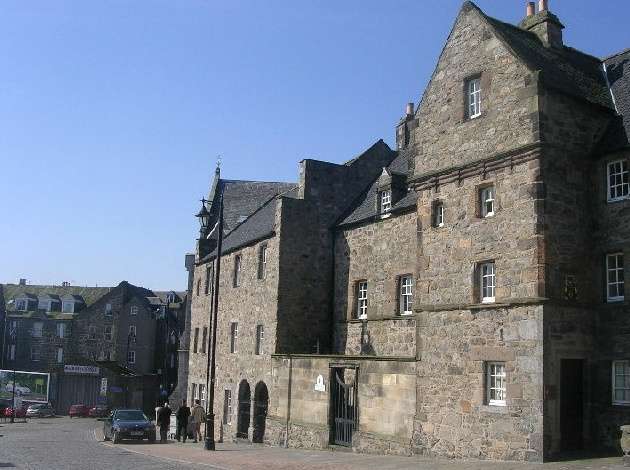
22, 281
409, 109
543, 5
531, 9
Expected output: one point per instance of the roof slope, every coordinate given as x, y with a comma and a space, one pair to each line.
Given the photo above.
567, 70
364, 207
618, 72
88, 294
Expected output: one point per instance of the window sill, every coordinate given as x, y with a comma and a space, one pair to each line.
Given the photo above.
615, 300
386, 215
618, 199
622, 404
496, 409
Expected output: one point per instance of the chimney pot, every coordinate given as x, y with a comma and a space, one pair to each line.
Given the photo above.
543, 5
531, 9
409, 109
22, 281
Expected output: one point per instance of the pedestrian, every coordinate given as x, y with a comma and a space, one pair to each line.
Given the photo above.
164, 421
183, 413
197, 416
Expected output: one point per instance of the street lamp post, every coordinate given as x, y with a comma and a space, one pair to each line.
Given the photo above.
14, 334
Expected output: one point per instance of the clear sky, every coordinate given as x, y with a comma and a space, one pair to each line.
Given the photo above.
112, 112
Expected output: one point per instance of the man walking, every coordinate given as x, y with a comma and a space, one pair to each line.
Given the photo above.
183, 413
164, 421
198, 416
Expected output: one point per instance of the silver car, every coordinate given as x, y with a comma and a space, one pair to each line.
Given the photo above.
40, 410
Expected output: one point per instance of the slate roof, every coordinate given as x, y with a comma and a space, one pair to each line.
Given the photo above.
365, 207
243, 198
567, 70
618, 72
88, 294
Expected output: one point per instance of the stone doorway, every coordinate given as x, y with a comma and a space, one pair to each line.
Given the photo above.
571, 404
244, 403
261, 403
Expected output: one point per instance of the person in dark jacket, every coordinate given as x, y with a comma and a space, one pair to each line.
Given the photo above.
183, 413
163, 420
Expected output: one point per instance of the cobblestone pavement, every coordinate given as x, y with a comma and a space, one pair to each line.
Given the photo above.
61, 443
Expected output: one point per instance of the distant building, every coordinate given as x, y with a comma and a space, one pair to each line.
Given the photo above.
129, 333
461, 296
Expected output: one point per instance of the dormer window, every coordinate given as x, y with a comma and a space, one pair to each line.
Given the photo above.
67, 306
21, 305
44, 305
385, 200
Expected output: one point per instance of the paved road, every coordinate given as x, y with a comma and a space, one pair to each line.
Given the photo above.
64, 444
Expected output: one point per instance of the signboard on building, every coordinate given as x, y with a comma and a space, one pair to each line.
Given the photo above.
85, 370
29, 386
104, 386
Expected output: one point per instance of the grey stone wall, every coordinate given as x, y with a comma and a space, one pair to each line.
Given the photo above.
508, 100
453, 418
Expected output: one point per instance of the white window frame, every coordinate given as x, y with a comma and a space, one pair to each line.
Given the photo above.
233, 337
438, 217
227, 406
61, 330
474, 97
262, 262
11, 352
65, 308
133, 332
133, 310
405, 294
618, 180
202, 395
38, 329
386, 201
131, 356
238, 261
362, 300
496, 384
108, 309
487, 282
487, 195
59, 355
260, 338
193, 393
624, 387
35, 353
108, 333
619, 277
21, 305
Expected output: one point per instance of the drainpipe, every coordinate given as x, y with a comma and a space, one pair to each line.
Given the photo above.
286, 434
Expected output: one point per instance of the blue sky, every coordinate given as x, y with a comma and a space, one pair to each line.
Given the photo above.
112, 112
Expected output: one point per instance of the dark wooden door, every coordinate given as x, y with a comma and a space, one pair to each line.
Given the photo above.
571, 404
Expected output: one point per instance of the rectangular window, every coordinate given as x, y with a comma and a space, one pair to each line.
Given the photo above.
61, 330
260, 337
59, 355
198, 286
237, 270
107, 335
108, 309
196, 340
233, 337
172, 360
615, 277
38, 329
362, 300
21, 305
262, 262
67, 307
204, 339
131, 357
496, 386
208, 279
474, 97
92, 332
621, 382
11, 352
133, 310
44, 305
386, 201
132, 333
34, 353
487, 201
438, 214
618, 184
193, 394
487, 281
202, 395
227, 407
405, 289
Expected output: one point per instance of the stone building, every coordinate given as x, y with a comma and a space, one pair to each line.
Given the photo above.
128, 334
462, 296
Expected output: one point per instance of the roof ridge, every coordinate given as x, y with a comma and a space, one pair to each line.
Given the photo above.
256, 181
625, 51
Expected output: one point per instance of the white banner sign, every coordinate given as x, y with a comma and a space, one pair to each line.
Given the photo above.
72, 369
104, 386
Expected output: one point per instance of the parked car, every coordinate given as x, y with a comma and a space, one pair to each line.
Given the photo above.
4, 404
19, 412
79, 411
99, 411
40, 410
19, 389
128, 424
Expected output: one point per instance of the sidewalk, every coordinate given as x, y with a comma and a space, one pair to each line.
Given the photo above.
229, 456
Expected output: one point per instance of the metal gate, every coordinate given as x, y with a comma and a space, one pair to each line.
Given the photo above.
344, 401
